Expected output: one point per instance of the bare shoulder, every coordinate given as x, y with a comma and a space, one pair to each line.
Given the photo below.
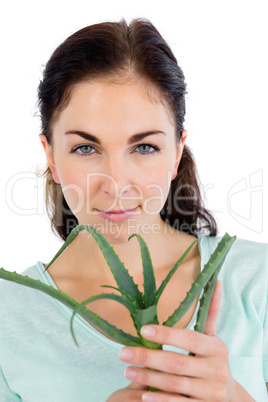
180, 241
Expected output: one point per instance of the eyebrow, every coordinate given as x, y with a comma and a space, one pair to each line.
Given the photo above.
134, 138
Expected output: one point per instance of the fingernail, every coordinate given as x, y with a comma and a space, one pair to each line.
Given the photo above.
148, 398
130, 373
148, 332
125, 354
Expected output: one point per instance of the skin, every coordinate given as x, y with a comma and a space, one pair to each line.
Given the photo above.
124, 177
116, 170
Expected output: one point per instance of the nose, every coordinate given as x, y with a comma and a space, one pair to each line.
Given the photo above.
116, 179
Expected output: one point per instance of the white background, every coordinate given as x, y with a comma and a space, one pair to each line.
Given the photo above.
222, 49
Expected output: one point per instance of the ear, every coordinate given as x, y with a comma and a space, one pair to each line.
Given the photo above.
180, 147
50, 158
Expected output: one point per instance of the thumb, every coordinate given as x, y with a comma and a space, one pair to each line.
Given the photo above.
213, 312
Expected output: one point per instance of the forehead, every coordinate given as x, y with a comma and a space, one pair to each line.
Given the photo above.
113, 111
102, 104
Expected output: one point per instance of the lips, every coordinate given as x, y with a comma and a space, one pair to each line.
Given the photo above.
118, 215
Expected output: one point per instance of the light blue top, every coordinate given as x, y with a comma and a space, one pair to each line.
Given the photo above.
39, 360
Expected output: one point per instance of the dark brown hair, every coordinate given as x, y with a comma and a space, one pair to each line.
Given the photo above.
114, 51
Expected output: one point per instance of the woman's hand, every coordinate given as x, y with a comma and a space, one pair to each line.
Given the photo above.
205, 376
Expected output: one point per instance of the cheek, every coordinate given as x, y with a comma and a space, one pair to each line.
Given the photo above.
158, 178
74, 188
155, 189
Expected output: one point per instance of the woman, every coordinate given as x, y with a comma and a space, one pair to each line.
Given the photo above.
112, 104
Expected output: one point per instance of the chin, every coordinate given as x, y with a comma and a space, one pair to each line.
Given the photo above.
114, 232
118, 234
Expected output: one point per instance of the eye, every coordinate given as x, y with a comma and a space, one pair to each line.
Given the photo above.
147, 148
82, 150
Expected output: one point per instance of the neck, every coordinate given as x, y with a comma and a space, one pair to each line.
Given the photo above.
127, 250
85, 255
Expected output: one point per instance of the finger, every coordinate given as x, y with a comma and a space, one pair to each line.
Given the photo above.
168, 362
213, 312
185, 339
160, 397
170, 383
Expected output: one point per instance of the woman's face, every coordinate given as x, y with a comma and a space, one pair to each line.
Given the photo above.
114, 153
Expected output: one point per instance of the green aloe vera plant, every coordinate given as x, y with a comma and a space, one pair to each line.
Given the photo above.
141, 305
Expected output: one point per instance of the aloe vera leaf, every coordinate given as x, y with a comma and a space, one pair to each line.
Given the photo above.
112, 287
123, 279
202, 279
147, 316
148, 273
207, 296
172, 272
108, 329
121, 299
204, 304
144, 317
205, 301
92, 318
38, 285
69, 239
